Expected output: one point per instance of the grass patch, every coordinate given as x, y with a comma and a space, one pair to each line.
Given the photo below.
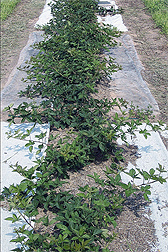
7, 6
159, 11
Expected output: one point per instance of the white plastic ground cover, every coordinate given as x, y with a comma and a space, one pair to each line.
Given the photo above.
152, 151
45, 16
164, 133
15, 83
108, 4
7, 228
116, 20
13, 151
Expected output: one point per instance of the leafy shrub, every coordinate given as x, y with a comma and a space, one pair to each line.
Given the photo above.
65, 74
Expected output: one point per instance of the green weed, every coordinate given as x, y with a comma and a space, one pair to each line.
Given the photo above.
7, 6
159, 11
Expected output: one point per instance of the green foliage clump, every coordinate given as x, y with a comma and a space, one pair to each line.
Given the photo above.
7, 6
159, 11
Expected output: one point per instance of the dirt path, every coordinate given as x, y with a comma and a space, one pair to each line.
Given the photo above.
152, 48
15, 33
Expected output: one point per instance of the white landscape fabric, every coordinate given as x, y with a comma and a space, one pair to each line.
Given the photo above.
153, 152
13, 151
115, 21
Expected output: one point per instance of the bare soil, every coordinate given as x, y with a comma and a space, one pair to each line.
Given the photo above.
152, 48
135, 230
15, 33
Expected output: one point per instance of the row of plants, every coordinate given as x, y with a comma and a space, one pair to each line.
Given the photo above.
65, 74
159, 11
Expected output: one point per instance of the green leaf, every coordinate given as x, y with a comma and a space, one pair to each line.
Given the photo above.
152, 171
61, 226
85, 236
146, 197
124, 186
97, 231
35, 237
81, 195
30, 148
128, 192
9, 218
114, 223
75, 238
23, 186
117, 178
101, 146
132, 173
53, 221
146, 175
38, 152
101, 202
106, 250
19, 239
